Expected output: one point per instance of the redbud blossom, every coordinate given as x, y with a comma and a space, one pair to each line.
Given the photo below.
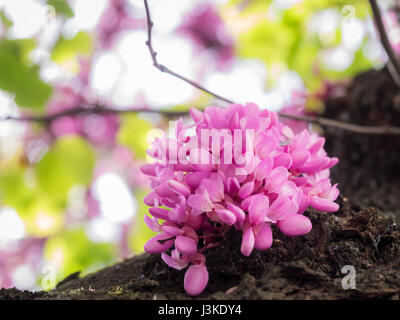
214, 180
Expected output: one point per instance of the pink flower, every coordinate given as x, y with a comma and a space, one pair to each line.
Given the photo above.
116, 19
98, 129
196, 279
256, 232
207, 30
241, 169
297, 108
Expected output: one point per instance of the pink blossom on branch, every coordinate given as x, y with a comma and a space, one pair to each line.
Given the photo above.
213, 180
206, 28
98, 129
296, 107
115, 20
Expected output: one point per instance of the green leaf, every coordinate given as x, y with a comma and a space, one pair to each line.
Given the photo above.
20, 48
20, 78
265, 43
7, 23
19, 190
61, 7
133, 132
69, 162
69, 49
14, 191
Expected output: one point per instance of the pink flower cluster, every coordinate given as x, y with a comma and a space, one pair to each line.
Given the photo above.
206, 28
98, 129
283, 174
116, 19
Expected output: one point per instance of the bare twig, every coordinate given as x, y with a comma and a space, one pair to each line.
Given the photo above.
325, 122
45, 119
374, 130
393, 63
84, 111
163, 68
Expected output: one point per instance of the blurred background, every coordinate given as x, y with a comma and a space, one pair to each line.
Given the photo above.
70, 187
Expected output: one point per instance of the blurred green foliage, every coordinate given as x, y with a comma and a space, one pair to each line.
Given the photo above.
18, 76
132, 134
62, 7
285, 39
70, 49
73, 251
70, 161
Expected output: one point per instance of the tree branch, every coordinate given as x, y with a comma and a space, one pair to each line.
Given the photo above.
374, 130
95, 110
355, 128
45, 119
163, 68
393, 63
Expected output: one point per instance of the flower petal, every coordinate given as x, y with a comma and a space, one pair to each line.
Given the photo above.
263, 239
214, 187
263, 168
196, 114
283, 160
232, 186
159, 213
152, 223
196, 279
194, 179
226, 216
276, 179
179, 187
246, 190
158, 243
173, 231
322, 204
247, 242
173, 262
282, 206
295, 225
239, 213
299, 158
149, 169
185, 245
200, 203
258, 209
151, 199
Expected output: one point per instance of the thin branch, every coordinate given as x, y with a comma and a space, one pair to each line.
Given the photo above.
163, 68
374, 130
325, 122
95, 110
393, 64
46, 119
